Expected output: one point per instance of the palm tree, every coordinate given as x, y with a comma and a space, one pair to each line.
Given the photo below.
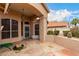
75, 21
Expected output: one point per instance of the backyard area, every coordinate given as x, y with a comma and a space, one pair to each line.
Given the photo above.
37, 48
25, 30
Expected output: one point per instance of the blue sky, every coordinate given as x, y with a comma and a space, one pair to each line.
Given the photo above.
69, 10
69, 6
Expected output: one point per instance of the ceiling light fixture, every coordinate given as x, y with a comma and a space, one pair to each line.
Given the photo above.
37, 18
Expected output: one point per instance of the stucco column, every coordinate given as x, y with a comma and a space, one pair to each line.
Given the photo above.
43, 28
31, 28
19, 30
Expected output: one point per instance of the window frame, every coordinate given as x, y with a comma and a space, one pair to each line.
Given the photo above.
10, 30
35, 28
14, 30
5, 30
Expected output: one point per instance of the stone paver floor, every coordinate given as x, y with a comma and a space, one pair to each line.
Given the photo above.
37, 48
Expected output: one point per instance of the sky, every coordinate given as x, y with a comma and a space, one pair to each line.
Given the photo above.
63, 11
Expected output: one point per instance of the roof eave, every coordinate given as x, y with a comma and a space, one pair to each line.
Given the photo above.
45, 6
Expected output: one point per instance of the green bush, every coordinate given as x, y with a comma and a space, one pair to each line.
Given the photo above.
56, 32
65, 33
18, 48
75, 33
69, 35
50, 32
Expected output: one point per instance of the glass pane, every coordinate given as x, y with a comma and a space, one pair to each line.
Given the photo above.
21, 28
6, 24
14, 34
14, 28
37, 26
5, 35
26, 31
14, 25
6, 29
36, 32
36, 29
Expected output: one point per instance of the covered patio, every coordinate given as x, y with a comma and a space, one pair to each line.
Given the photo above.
30, 22
26, 23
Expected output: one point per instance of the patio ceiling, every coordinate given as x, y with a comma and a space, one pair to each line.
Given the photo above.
25, 8
2, 6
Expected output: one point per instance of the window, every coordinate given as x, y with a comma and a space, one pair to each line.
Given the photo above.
10, 28
21, 28
14, 28
36, 29
6, 30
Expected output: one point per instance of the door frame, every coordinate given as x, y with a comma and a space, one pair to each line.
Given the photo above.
36, 36
26, 25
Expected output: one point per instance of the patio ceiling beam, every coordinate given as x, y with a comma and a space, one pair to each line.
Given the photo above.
6, 7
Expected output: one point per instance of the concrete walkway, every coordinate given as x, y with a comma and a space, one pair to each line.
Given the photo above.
37, 48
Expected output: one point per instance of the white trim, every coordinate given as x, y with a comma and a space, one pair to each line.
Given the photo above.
34, 36
23, 30
24, 25
34, 27
10, 28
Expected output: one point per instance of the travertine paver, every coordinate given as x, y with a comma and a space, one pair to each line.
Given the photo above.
37, 48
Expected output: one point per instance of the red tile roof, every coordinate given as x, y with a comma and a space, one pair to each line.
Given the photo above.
57, 24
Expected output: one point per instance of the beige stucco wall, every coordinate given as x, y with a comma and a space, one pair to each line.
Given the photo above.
43, 28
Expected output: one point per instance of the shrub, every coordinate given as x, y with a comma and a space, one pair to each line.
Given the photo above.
65, 33
69, 34
56, 32
74, 29
50, 32
75, 33
18, 48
